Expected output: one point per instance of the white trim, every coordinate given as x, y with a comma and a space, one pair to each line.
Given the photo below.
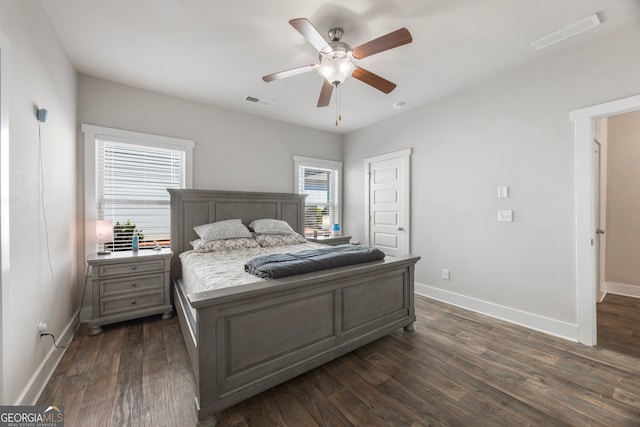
405, 155
622, 289
91, 133
584, 205
5, 58
311, 161
611, 108
139, 138
533, 321
41, 376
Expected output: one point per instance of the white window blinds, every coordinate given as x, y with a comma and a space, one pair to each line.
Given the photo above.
131, 188
320, 180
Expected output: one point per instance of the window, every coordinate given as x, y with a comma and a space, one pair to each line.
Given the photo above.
130, 176
321, 181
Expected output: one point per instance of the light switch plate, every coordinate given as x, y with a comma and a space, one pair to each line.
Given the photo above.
503, 192
505, 216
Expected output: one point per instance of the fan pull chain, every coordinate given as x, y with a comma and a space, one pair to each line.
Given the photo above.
338, 105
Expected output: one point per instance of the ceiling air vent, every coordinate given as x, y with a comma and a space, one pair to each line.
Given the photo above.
568, 31
258, 100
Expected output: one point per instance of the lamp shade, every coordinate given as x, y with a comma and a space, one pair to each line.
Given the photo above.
104, 231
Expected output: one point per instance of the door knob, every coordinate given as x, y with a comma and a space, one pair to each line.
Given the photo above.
599, 231
400, 229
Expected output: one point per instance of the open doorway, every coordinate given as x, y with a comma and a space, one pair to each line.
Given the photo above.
617, 203
586, 226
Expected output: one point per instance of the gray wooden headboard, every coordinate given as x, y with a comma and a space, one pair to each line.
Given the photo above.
195, 207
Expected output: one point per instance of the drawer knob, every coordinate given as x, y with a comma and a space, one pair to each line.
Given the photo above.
134, 267
133, 303
133, 285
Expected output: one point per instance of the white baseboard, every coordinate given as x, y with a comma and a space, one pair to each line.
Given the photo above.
602, 294
40, 378
623, 289
557, 328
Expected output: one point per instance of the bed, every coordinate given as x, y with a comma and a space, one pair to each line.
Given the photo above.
245, 339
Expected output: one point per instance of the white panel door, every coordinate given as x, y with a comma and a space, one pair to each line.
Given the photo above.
388, 203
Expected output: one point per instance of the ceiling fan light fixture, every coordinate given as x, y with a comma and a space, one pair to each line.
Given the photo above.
336, 70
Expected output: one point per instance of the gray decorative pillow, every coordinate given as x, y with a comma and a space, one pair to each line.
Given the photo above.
269, 240
202, 246
219, 230
271, 226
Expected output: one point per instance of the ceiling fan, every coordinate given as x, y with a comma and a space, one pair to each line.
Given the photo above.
338, 60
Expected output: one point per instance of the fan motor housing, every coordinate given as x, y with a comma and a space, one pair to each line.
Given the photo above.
338, 50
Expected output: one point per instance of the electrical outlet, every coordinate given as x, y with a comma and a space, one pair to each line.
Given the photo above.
42, 328
446, 274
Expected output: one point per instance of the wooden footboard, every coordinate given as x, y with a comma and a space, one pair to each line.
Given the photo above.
253, 337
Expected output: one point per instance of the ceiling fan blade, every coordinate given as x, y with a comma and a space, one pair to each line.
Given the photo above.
394, 39
325, 94
309, 32
289, 73
373, 80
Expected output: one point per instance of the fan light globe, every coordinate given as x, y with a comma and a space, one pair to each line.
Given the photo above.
336, 70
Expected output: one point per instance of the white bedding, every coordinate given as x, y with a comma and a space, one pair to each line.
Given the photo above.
217, 270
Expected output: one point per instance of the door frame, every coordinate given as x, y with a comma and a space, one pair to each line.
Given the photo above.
405, 156
597, 211
586, 258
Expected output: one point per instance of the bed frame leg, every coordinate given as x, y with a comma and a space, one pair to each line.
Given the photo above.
210, 421
409, 328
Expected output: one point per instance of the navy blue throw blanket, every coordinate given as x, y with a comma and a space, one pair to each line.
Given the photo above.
282, 265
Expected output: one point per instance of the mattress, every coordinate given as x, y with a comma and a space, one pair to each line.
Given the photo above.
217, 270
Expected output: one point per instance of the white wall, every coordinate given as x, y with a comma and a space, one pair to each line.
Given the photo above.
514, 130
40, 74
233, 151
623, 200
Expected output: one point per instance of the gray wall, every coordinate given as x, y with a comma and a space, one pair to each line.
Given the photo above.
233, 151
623, 200
514, 130
39, 74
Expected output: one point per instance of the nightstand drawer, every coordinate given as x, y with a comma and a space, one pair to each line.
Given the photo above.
131, 302
131, 283
107, 270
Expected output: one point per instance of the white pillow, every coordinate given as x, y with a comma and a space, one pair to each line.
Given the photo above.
219, 230
271, 226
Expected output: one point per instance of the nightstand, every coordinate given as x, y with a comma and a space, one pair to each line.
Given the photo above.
330, 240
129, 285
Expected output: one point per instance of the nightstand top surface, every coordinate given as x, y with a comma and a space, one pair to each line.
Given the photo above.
129, 255
328, 239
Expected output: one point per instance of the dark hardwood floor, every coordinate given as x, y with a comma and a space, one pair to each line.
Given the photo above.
458, 368
619, 324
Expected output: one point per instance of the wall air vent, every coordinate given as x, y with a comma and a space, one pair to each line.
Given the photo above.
258, 101
567, 32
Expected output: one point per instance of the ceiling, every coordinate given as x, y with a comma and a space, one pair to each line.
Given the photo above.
216, 52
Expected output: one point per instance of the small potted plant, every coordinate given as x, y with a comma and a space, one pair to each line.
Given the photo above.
123, 235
